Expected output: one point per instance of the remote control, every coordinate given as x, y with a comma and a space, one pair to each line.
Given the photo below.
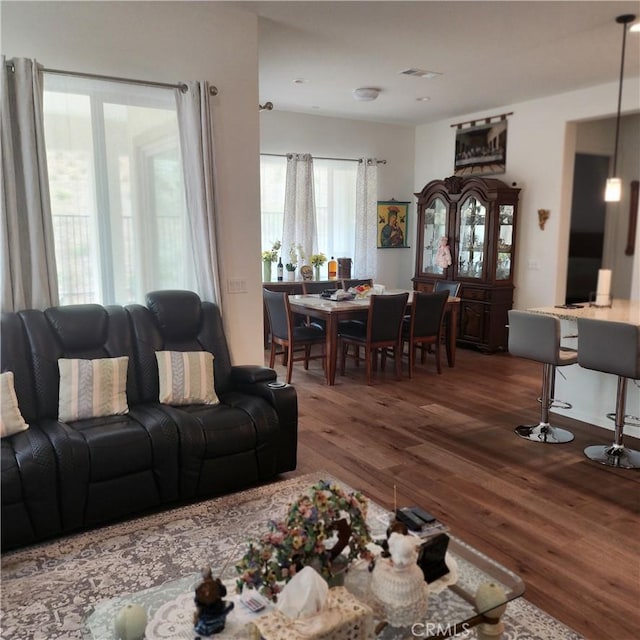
409, 518
425, 516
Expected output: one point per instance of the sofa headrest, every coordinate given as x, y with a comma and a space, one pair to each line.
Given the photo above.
178, 313
79, 327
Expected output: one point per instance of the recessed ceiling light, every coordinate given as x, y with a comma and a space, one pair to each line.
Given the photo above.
423, 99
315, 107
420, 73
366, 94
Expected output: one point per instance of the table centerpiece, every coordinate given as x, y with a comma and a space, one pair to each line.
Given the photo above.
318, 528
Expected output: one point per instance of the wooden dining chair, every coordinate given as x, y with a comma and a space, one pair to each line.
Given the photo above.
382, 331
318, 286
425, 326
347, 284
451, 286
289, 336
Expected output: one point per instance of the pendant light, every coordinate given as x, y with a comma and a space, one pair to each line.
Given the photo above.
613, 189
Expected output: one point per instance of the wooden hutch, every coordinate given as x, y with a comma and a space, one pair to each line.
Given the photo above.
478, 218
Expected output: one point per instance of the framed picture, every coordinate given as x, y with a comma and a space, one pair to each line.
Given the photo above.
392, 224
481, 150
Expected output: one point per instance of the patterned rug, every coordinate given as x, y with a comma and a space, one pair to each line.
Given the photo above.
49, 590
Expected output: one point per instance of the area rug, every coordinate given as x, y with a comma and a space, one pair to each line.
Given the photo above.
49, 590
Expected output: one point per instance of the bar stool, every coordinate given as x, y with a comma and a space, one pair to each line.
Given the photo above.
612, 347
537, 337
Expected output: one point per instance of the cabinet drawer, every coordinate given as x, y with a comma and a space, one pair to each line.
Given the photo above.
467, 293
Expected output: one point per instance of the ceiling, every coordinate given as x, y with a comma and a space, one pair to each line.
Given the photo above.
490, 54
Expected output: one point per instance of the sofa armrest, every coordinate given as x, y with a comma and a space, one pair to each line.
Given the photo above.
250, 374
254, 380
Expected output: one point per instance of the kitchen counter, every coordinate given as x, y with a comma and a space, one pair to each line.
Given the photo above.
620, 311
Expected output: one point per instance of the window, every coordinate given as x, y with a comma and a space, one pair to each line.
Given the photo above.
335, 195
117, 195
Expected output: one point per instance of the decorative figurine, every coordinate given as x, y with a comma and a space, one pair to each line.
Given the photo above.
211, 609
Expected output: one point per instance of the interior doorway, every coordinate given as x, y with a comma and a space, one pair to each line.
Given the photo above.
586, 236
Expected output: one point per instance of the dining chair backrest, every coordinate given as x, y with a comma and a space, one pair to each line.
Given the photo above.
347, 284
427, 311
386, 313
279, 312
447, 285
318, 286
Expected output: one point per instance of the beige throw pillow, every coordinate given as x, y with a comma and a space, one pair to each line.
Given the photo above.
92, 388
11, 420
186, 377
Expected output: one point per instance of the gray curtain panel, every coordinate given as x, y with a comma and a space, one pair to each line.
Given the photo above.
299, 223
29, 278
197, 149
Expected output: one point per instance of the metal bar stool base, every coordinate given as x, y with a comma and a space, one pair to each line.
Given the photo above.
545, 433
614, 456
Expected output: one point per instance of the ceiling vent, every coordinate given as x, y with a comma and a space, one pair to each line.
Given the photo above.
420, 73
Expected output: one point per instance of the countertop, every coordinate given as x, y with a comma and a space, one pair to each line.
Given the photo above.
620, 311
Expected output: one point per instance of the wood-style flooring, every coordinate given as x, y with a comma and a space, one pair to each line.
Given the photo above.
568, 526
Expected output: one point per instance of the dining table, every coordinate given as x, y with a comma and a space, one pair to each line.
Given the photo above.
334, 311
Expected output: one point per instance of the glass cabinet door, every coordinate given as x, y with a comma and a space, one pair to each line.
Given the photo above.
472, 239
504, 262
435, 227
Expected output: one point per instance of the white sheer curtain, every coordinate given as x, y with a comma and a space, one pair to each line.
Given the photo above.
299, 225
197, 148
365, 259
28, 256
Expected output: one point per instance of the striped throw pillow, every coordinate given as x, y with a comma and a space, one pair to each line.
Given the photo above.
92, 388
11, 420
186, 377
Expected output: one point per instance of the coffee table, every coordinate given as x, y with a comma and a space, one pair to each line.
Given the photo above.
451, 607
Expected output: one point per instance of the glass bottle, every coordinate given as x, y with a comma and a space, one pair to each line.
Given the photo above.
280, 269
333, 269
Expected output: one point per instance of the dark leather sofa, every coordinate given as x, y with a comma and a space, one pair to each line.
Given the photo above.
58, 478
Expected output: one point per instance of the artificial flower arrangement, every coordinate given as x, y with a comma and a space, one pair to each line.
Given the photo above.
318, 259
272, 254
305, 538
294, 255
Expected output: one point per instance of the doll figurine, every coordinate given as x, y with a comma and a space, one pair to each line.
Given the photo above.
443, 254
211, 609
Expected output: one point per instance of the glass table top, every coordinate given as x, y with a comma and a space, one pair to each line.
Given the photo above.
451, 600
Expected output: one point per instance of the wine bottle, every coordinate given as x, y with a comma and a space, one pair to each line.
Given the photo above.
280, 269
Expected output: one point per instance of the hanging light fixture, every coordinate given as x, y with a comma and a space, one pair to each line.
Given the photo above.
613, 189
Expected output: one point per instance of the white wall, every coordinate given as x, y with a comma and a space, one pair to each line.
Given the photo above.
168, 42
540, 155
286, 132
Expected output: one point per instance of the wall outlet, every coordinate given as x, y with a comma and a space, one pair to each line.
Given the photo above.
533, 265
237, 285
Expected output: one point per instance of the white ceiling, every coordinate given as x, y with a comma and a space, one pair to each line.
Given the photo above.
490, 54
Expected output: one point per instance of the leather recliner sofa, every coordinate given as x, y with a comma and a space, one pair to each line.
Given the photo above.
61, 477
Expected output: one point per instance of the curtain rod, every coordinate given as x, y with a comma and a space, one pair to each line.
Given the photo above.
288, 155
96, 76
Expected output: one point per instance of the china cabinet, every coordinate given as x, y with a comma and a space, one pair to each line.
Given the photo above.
476, 219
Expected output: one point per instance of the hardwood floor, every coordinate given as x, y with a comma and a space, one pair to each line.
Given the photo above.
568, 526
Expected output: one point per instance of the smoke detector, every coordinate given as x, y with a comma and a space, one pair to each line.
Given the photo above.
365, 94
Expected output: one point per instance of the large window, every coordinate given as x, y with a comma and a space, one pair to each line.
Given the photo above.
117, 194
335, 196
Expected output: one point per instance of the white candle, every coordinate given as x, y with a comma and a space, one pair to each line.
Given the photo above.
604, 287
